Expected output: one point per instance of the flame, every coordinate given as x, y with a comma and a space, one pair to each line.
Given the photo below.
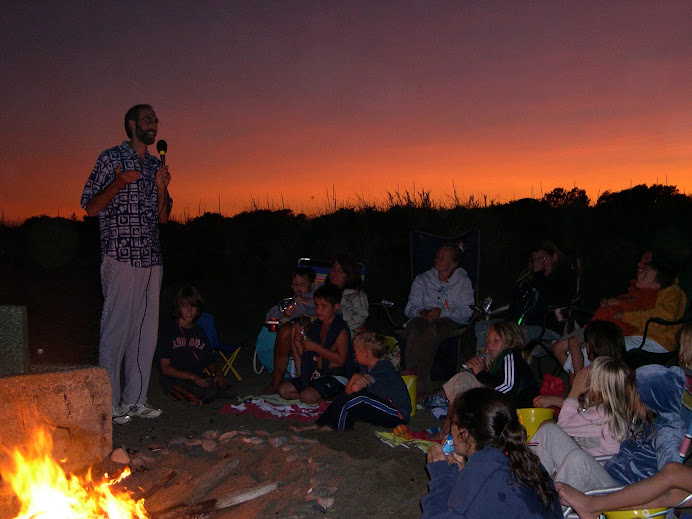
46, 492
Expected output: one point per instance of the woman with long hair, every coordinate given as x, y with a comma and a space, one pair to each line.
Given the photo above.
491, 472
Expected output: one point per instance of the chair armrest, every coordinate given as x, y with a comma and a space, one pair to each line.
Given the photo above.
498, 311
659, 320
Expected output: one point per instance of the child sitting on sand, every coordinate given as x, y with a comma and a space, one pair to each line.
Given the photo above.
185, 354
300, 307
491, 472
377, 395
324, 350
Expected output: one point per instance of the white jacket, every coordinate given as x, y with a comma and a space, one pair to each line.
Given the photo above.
453, 296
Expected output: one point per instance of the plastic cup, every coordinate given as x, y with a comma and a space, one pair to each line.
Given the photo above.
411, 382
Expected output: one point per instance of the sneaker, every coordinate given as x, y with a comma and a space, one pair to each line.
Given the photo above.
434, 401
119, 417
143, 411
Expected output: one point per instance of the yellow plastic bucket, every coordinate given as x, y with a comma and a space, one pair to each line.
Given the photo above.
633, 514
411, 382
532, 417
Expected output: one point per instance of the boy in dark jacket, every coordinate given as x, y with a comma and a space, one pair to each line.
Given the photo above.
377, 395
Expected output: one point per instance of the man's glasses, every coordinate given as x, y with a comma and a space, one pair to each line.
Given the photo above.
151, 120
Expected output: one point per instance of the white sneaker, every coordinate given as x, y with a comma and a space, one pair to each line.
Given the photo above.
142, 410
119, 417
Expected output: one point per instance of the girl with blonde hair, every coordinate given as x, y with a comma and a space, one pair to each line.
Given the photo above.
597, 412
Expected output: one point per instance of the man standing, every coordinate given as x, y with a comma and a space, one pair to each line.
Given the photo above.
128, 190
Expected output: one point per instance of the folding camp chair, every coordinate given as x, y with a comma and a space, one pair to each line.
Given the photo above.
228, 353
639, 356
423, 247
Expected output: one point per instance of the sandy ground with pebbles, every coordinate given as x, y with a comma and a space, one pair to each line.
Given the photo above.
353, 473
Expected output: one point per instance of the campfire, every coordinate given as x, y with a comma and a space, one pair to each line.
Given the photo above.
44, 490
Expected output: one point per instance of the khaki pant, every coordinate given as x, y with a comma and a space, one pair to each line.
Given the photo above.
422, 339
129, 326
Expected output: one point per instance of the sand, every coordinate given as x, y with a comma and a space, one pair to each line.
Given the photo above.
371, 478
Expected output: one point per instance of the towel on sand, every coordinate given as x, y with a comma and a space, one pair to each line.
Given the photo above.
274, 407
402, 436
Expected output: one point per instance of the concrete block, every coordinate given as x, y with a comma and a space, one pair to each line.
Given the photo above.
74, 404
14, 337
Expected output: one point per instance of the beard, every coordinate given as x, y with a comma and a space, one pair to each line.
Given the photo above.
144, 136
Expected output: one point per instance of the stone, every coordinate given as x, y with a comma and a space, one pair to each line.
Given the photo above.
74, 403
14, 337
209, 445
277, 441
228, 436
120, 456
210, 435
325, 501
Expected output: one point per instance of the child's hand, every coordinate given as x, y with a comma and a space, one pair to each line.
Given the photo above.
547, 401
580, 385
356, 383
220, 380
310, 345
435, 454
201, 382
290, 310
476, 364
360, 382
456, 459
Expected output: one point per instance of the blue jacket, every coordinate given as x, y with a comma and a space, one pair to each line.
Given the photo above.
389, 385
641, 456
484, 489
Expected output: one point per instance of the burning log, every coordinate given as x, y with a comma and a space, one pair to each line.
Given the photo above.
167, 478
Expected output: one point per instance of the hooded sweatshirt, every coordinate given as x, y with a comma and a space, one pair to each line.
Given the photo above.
642, 455
484, 489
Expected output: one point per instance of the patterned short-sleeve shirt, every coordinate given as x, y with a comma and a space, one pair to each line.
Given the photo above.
129, 223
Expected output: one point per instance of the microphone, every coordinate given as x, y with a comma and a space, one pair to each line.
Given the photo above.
162, 148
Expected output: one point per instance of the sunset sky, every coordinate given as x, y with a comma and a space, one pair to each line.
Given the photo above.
275, 104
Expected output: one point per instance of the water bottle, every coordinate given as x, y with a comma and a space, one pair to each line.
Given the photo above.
448, 445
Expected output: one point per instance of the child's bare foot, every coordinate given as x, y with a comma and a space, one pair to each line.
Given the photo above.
269, 390
304, 428
577, 500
